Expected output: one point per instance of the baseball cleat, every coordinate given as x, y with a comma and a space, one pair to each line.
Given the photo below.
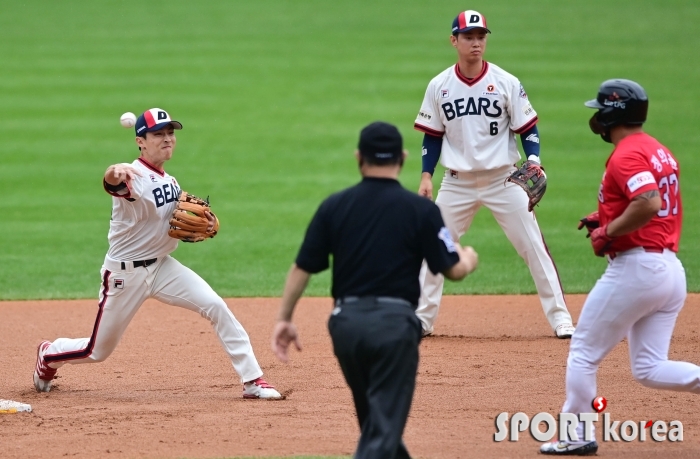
43, 374
563, 448
259, 388
426, 332
564, 331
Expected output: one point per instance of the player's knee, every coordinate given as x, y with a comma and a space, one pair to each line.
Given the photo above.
647, 381
645, 370
214, 310
99, 357
102, 351
581, 361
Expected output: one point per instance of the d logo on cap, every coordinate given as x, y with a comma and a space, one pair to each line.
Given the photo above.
468, 20
154, 119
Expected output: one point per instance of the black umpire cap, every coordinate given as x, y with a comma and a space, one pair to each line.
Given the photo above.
381, 141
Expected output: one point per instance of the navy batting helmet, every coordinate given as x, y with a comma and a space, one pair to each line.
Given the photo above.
619, 102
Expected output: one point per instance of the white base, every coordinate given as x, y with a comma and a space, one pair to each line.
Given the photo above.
10, 407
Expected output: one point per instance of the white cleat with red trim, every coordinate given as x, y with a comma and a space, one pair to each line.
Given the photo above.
259, 388
43, 374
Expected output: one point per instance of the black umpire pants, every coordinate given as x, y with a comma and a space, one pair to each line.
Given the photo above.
376, 343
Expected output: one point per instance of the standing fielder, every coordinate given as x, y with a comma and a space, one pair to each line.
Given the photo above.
469, 116
638, 225
138, 266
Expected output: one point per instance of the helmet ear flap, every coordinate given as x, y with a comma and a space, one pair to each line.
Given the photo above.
598, 128
595, 125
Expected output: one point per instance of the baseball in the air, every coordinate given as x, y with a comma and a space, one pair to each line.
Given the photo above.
128, 120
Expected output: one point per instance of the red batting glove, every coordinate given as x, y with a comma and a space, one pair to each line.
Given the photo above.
600, 240
590, 221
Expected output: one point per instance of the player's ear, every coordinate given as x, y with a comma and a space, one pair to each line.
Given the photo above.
358, 157
453, 40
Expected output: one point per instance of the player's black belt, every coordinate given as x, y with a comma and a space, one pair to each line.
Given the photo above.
378, 299
138, 264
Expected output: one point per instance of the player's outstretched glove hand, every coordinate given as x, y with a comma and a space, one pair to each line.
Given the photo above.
590, 221
530, 177
192, 219
600, 240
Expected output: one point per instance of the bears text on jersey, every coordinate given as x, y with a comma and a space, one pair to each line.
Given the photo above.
165, 194
458, 108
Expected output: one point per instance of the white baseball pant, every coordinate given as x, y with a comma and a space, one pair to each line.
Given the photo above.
639, 297
122, 294
461, 195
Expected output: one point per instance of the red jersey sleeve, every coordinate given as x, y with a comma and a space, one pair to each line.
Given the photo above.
632, 172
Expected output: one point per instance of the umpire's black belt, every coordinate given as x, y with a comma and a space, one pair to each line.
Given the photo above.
378, 299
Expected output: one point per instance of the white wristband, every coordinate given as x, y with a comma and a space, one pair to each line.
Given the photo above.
534, 158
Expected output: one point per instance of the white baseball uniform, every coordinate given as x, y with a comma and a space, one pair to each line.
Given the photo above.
138, 266
478, 119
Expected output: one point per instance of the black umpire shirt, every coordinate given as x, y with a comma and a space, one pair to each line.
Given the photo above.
378, 233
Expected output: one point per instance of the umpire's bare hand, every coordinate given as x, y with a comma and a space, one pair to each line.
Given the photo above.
284, 334
468, 261
469, 257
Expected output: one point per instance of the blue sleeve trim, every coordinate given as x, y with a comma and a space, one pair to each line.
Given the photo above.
531, 141
432, 146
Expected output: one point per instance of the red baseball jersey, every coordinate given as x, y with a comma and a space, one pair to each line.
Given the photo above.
639, 164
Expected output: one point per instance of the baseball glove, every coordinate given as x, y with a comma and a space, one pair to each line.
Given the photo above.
531, 178
189, 223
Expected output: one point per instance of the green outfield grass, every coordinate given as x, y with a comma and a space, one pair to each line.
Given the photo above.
272, 95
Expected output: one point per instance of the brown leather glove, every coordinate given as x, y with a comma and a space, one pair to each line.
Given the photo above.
189, 222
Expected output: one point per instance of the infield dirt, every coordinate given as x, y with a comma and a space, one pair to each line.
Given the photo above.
169, 390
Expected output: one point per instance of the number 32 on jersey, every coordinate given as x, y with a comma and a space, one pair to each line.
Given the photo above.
668, 184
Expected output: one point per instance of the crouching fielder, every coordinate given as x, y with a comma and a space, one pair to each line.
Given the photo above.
638, 226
